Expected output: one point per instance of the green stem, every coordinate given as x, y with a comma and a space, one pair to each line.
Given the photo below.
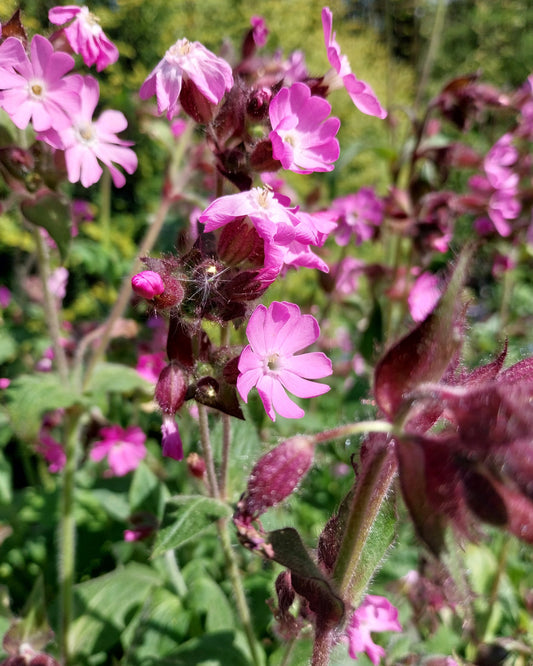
226, 430
373, 484
67, 533
434, 43
50, 305
289, 647
105, 209
238, 591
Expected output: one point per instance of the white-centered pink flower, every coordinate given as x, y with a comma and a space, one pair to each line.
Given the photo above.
302, 136
123, 448
358, 215
270, 364
360, 92
187, 61
85, 35
86, 142
37, 90
374, 614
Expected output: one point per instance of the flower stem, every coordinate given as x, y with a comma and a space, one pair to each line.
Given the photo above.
373, 484
322, 647
207, 452
238, 590
50, 305
67, 533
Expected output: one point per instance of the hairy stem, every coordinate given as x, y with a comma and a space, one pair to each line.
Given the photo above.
50, 305
241, 603
322, 647
67, 533
373, 485
360, 428
207, 452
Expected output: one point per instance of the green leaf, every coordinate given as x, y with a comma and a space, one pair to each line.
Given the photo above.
8, 346
118, 379
147, 492
30, 396
6, 490
195, 514
216, 649
206, 596
49, 211
103, 604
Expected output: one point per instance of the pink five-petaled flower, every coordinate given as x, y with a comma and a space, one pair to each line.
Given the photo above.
187, 61
360, 92
88, 141
123, 448
85, 35
359, 213
38, 90
302, 136
270, 364
374, 614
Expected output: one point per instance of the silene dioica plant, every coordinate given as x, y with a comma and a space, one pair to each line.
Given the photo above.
446, 444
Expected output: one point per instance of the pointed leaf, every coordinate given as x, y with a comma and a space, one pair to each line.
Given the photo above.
49, 211
425, 353
194, 514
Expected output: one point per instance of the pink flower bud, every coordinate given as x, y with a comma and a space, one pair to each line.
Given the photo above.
148, 284
171, 440
276, 475
171, 389
196, 465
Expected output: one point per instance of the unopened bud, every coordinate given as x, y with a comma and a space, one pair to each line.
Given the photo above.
276, 475
171, 388
148, 284
196, 465
258, 103
171, 440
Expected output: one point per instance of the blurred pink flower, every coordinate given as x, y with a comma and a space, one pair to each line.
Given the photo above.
5, 297
51, 450
171, 440
260, 30
360, 92
123, 448
423, 296
4, 382
85, 35
88, 141
359, 214
302, 136
187, 62
57, 282
38, 90
374, 614
149, 366
269, 362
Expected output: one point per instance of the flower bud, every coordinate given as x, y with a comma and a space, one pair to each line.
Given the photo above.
148, 284
239, 242
196, 465
276, 475
171, 388
258, 103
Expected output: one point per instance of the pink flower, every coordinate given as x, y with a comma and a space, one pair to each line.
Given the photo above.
359, 214
360, 92
88, 141
171, 440
4, 383
303, 137
270, 364
187, 62
85, 35
51, 450
423, 296
374, 614
38, 90
123, 448
260, 31
149, 366
5, 297
286, 233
